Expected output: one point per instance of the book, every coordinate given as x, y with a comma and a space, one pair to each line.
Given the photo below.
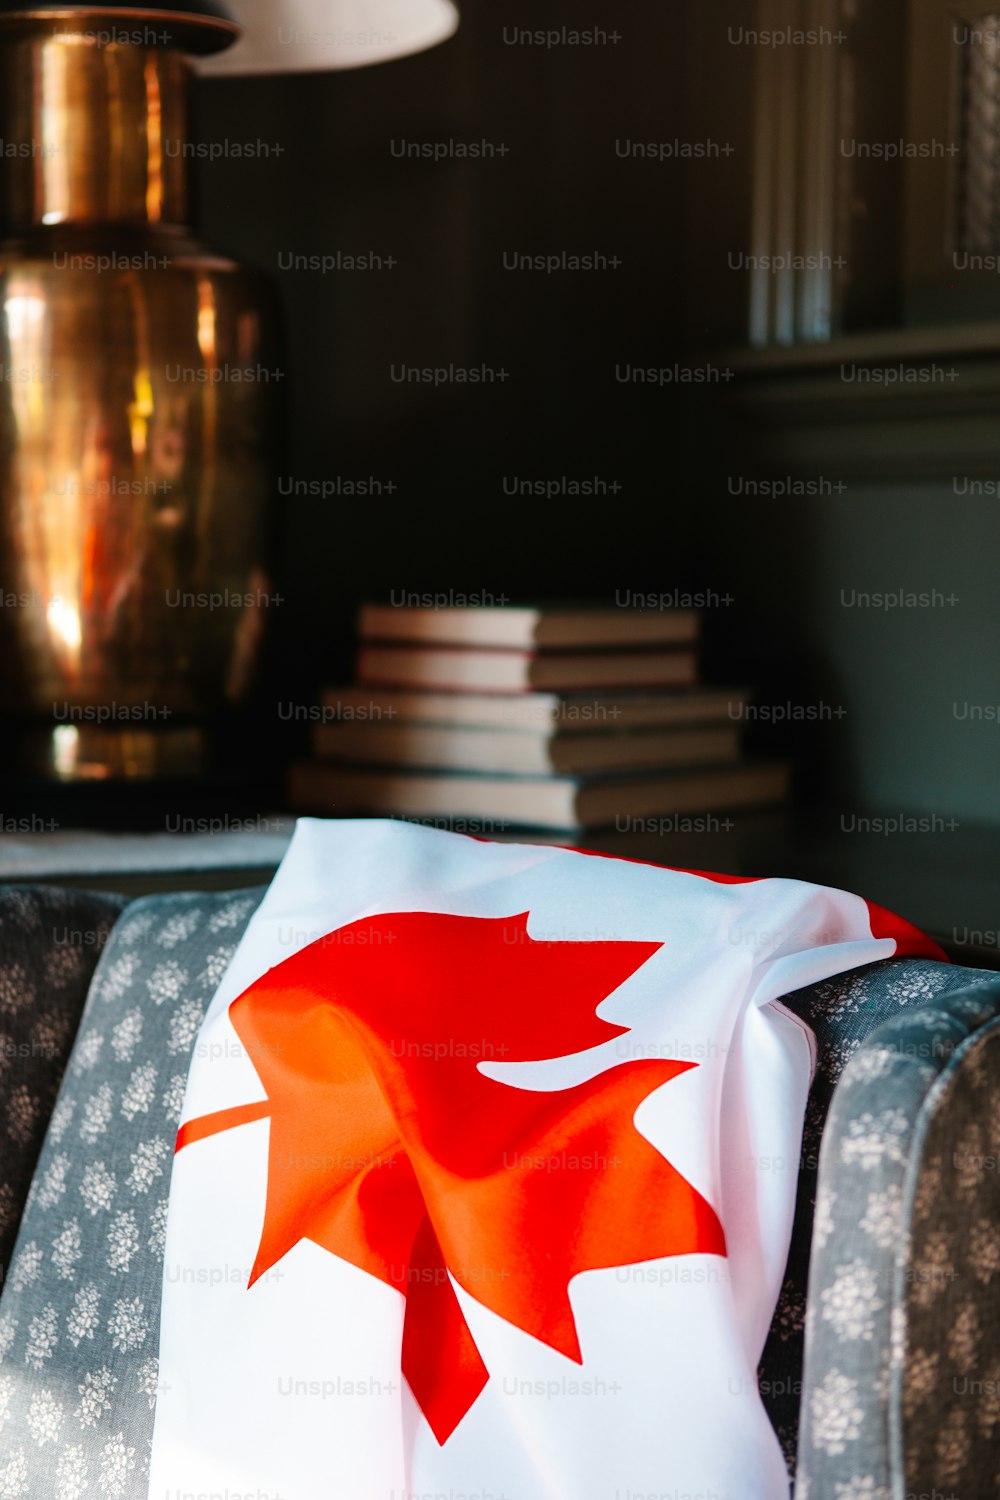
550, 627
540, 711
523, 751
562, 802
453, 669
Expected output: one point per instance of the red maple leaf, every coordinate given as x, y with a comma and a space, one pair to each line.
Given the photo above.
391, 1150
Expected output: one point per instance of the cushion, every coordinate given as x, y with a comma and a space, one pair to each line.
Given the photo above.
945, 1414
842, 1012
79, 1316
859, 1295
50, 941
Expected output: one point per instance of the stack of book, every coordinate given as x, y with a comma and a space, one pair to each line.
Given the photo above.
555, 718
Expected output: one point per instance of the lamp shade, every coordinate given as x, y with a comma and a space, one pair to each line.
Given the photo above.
299, 36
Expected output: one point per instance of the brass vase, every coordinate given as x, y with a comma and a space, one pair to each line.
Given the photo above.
137, 404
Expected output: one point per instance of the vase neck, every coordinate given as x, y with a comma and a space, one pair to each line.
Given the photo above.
92, 132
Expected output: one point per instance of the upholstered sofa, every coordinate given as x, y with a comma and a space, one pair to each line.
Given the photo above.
882, 1370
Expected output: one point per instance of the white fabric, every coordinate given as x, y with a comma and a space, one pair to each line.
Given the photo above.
260, 1391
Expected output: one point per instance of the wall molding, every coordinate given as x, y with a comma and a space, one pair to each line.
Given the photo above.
912, 404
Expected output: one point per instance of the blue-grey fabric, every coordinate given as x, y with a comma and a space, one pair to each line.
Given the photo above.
842, 1012
79, 1316
945, 1413
864, 1280
50, 942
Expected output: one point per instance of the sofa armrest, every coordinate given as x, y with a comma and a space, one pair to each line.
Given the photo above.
876, 1263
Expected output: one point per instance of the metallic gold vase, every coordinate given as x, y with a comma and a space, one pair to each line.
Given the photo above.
138, 384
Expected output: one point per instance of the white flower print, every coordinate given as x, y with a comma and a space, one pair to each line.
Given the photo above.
83, 1317
13, 1475
87, 1052
45, 1417
836, 1413
178, 928
851, 1301
147, 1165
43, 1336
95, 1396
882, 1384
118, 977
126, 1036
117, 1463
67, 1247
184, 1026
127, 1325
97, 1188
228, 917
123, 1241
134, 928
140, 1092
158, 1228
914, 984
861, 1489
839, 1054
883, 1216
149, 1381
96, 1114
839, 996
215, 966
872, 1139
167, 982
62, 1117
173, 1098
8, 1333
871, 1064
6, 1395
824, 1224
52, 1184
26, 1266
71, 1473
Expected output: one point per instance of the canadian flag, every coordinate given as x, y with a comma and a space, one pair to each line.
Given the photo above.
486, 1176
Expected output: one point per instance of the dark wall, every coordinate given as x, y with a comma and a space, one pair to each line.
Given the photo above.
559, 113
563, 116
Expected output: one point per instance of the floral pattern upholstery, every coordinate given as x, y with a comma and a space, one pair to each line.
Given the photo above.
947, 1398
50, 941
79, 1317
842, 1012
891, 1231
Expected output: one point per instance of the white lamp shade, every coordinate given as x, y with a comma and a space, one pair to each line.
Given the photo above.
308, 36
